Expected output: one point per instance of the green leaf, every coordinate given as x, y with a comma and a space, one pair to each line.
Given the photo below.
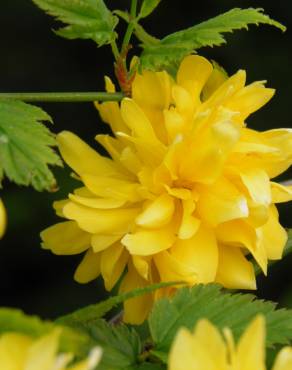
222, 309
86, 19
162, 356
91, 313
121, 345
147, 7
13, 320
172, 48
25, 145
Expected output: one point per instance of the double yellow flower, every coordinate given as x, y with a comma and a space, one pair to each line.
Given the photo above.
205, 348
186, 193
21, 352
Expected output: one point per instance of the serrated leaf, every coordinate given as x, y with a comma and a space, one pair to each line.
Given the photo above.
13, 320
147, 7
86, 19
121, 345
25, 145
222, 309
91, 313
172, 48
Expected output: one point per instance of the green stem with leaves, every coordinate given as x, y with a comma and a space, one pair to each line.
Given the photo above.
63, 97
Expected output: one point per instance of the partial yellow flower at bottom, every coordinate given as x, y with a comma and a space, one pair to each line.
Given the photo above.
2, 219
21, 352
206, 348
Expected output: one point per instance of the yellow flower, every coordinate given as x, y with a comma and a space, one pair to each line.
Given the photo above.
2, 219
186, 194
21, 352
206, 348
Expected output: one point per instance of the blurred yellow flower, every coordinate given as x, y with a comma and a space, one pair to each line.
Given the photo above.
206, 348
2, 219
21, 352
186, 194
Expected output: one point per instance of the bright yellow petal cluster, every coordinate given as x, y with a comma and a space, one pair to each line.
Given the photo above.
186, 194
21, 352
2, 219
206, 348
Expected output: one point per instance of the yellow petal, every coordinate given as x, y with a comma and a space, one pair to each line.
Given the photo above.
59, 205
101, 221
109, 187
115, 148
110, 111
279, 138
89, 267
251, 346
112, 145
171, 269
196, 69
101, 203
258, 214
113, 262
142, 265
137, 121
74, 150
130, 160
100, 242
272, 236
3, 220
146, 242
200, 253
281, 193
210, 338
204, 159
174, 123
42, 353
234, 270
238, 233
13, 351
250, 99
181, 356
189, 224
227, 89
221, 202
158, 213
183, 101
257, 183
135, 309
65, 238
187, 352
180, 193
149, 153
284, 359
216, 79
151, 89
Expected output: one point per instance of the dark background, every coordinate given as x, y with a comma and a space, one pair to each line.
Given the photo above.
33, 58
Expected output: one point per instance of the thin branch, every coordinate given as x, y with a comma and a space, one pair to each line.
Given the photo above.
63, 97
131, 26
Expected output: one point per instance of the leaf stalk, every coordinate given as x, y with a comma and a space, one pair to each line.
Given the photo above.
131, 26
